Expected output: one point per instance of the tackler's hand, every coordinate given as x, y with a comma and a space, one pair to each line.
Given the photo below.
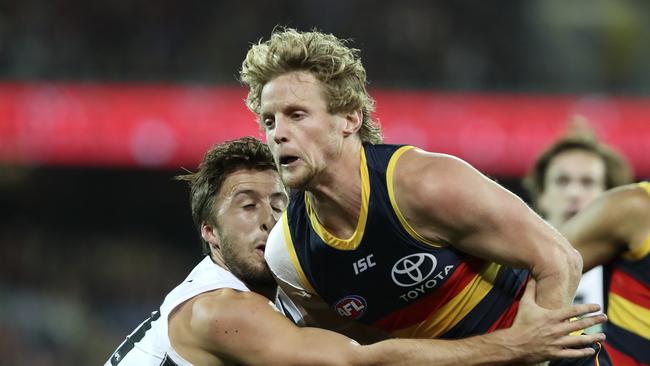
548, 331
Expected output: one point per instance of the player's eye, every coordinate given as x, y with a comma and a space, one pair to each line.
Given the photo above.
297, 116
562, 180
268, 122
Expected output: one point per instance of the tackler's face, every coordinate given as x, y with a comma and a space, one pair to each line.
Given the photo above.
303, 135
247, 207
573, 179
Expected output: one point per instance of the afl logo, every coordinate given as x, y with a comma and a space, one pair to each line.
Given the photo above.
413, 269
352, 307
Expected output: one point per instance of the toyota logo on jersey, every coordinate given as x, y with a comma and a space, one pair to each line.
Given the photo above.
413, 269
352, 307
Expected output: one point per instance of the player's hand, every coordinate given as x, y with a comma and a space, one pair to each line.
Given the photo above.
543, 334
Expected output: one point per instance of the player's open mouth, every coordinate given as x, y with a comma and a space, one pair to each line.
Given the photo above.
260, 249
288, 159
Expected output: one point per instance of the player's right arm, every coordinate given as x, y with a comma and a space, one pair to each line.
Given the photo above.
242, 327
611, 224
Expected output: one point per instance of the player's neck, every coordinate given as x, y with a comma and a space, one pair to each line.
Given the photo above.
336, 200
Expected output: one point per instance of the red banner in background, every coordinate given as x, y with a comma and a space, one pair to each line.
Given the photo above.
162, 126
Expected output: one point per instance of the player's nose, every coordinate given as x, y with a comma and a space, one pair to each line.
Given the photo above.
281, 131
268, 219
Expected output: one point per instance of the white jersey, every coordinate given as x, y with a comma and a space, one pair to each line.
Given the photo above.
281, 263
148, 344
279, 260
590, 289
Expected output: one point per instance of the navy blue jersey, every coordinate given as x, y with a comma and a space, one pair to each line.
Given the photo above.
388, 276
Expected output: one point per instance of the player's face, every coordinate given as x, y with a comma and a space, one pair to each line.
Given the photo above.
248, 205
573, 179
303, 136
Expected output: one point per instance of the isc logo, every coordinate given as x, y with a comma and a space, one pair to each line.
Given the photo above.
352, 307
363, 264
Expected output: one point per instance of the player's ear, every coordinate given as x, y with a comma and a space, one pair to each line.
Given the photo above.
210, 234
353, 121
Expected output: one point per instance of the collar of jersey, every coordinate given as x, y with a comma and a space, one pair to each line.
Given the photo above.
353, 241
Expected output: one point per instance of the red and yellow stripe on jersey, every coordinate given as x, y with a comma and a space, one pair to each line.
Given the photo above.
628, 304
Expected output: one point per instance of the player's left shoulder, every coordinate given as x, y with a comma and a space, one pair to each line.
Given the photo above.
434, 175
632, 200
432, 189
416, 156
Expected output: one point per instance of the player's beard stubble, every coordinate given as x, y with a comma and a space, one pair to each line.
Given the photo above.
245, 264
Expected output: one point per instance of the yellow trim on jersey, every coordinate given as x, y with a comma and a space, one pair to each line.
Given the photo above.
644, 249
629, 316
596, 357
353, 241
390, 171
646, 186
456, 309
639, 252
288, 241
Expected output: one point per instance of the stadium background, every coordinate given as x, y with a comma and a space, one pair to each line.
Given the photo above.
102, 103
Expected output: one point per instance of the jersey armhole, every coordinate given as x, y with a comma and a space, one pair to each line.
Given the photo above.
390, 172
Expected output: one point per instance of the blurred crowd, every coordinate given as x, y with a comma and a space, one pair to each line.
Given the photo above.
539, 45
86, 254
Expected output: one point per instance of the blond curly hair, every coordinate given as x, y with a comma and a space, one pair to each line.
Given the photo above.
328, 58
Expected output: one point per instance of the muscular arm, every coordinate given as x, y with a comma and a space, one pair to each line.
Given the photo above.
615, 222
242, 327
447, 201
